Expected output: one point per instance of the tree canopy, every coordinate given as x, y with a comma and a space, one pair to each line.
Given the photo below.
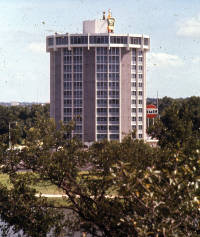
113, 189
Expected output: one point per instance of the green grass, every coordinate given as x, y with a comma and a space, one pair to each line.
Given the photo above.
44, 187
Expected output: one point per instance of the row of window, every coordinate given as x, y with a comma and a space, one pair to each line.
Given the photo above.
105, 93
134, 84
103, 102
105, 51
133, 110
105, 59
134, 118
76, 68
97, 40
140, 59
134, 67
104, 76
111, 119
76, 76
134, 127
104, 136
68, 85
105, 110
105, 127
134, 102
76, 110
135, 93
135, 75
77, 102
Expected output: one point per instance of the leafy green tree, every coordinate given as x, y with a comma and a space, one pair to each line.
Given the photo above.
116, 189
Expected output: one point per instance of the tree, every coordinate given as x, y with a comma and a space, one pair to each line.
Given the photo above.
115, 189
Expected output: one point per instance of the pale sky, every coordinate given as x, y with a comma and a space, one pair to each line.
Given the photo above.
173, 63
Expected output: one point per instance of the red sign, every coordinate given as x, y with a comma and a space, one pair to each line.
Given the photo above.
152, 111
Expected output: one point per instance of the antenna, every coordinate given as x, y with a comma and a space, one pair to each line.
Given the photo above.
104, 15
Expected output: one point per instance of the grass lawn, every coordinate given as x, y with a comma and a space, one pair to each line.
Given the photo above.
44, 187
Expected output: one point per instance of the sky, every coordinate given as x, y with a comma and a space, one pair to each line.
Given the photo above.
173, 63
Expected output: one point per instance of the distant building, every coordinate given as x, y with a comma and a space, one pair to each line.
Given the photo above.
98, 78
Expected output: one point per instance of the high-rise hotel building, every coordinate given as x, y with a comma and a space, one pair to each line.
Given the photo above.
98, 78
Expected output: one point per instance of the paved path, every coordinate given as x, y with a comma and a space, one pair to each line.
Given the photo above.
51, 195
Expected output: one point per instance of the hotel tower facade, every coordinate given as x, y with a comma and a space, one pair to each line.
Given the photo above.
98, 78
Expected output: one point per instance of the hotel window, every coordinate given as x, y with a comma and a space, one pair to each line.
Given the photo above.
133, 119
101, 128
133, 110
135, 40
114, 76
133, 75
140, 84
77, 51
67, 119
140, 102
102, 68
101, 59
67, 59
140, 67
101, 119
114, 94
133, 127
101, 51
78, 94
140, 127
114, 51
78, 39
114, 102
67, 68
101, 76
102, 102
133, 102
113, 128
146, 41
67, 52
77, 76
133, 51
133, 67
101, 136
114, 110
67, 85
140, 53
140, 76
114, 85
50, 41
139, 92
101, 110
140, 135
67, 94
67, 110
77, 68
114, 136
140, 110
77, 110
114, 119
139, 118
67, 77
78, 103
133, 84
98, 39
77, 85
78, 128
133, 92
114, 59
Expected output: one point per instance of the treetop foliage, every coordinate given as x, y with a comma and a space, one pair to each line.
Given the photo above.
113, 189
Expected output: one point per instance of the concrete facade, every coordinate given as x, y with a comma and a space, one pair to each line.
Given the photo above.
99, 80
